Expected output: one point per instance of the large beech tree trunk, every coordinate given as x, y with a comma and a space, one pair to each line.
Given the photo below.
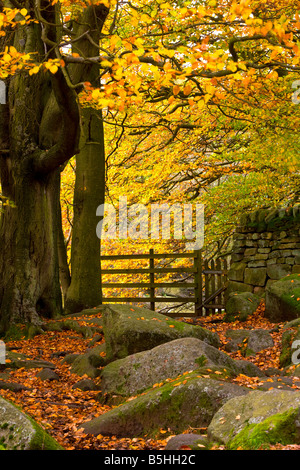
29, 281
29, 170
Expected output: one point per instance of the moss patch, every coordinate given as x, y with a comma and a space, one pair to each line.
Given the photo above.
15, 333
201, 361
18, 431
189, 400
277, 429
42, 440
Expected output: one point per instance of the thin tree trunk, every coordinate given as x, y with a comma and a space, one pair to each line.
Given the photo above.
64, 271
85, 287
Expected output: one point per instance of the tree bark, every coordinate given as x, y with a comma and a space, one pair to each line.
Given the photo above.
85, 287
30, 175
64, 271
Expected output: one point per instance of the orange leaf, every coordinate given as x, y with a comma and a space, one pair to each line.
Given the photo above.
176, 90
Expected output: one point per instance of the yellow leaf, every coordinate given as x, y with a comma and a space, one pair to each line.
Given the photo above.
96, 94
53, 69
232, 66
34, 71
242, 66
106, 63
13, 51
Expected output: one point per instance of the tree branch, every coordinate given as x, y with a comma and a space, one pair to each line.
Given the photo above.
68, 143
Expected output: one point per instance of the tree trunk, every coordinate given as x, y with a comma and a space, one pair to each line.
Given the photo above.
30, 178
64, 271
29, 278
85, 287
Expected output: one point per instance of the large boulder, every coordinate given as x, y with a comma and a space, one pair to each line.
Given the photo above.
189, 401
256, 419
20, 432
240, 305
128, 330
88, 364
249, 342
137, 372
290, 344
234, 287
283, 299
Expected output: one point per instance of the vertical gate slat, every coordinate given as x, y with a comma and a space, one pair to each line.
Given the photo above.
213, 282
198, 282
152, 289
206, 283
218, 283
224, 278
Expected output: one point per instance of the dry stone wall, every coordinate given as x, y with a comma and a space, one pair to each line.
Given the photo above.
266, 248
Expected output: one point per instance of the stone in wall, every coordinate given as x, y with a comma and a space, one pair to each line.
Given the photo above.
266, 248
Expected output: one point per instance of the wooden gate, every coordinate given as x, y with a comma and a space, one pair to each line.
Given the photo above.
207, 281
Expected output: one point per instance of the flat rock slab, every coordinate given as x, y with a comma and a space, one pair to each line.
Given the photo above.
12, 386
128, 330
19, 432
16, 360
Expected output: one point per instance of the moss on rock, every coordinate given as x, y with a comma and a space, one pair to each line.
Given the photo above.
189, 400
281, 299
280, 428
20, 432
242, 414
129, 330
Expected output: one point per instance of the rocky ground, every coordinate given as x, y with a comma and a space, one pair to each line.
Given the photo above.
60, 408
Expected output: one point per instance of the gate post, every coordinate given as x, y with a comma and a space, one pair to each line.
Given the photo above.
198, 282
152, 288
